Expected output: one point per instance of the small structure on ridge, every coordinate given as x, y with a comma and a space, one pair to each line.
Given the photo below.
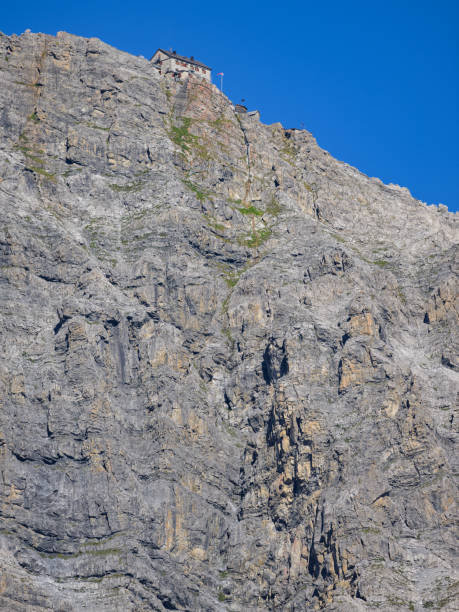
179, 65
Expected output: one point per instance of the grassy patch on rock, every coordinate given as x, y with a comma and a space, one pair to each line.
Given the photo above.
47, 175
256, 238
94, 126
189, 143
273, 208
127, 188
251, 210
199, 192
181, 136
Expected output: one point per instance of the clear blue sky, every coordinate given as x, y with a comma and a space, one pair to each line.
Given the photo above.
376, 82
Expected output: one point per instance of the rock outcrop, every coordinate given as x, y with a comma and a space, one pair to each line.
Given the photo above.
228, 372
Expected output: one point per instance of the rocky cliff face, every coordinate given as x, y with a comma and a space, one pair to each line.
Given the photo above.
228, 371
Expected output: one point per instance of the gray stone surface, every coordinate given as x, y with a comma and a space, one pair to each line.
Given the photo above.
228, 368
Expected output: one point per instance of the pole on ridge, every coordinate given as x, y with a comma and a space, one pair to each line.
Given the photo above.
221, 75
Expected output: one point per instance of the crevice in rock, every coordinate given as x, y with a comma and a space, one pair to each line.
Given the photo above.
60, 324
275, 362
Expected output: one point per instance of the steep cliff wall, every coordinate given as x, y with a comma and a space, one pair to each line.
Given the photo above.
228, 369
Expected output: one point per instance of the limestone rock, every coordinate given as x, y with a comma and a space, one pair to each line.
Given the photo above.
229, 361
